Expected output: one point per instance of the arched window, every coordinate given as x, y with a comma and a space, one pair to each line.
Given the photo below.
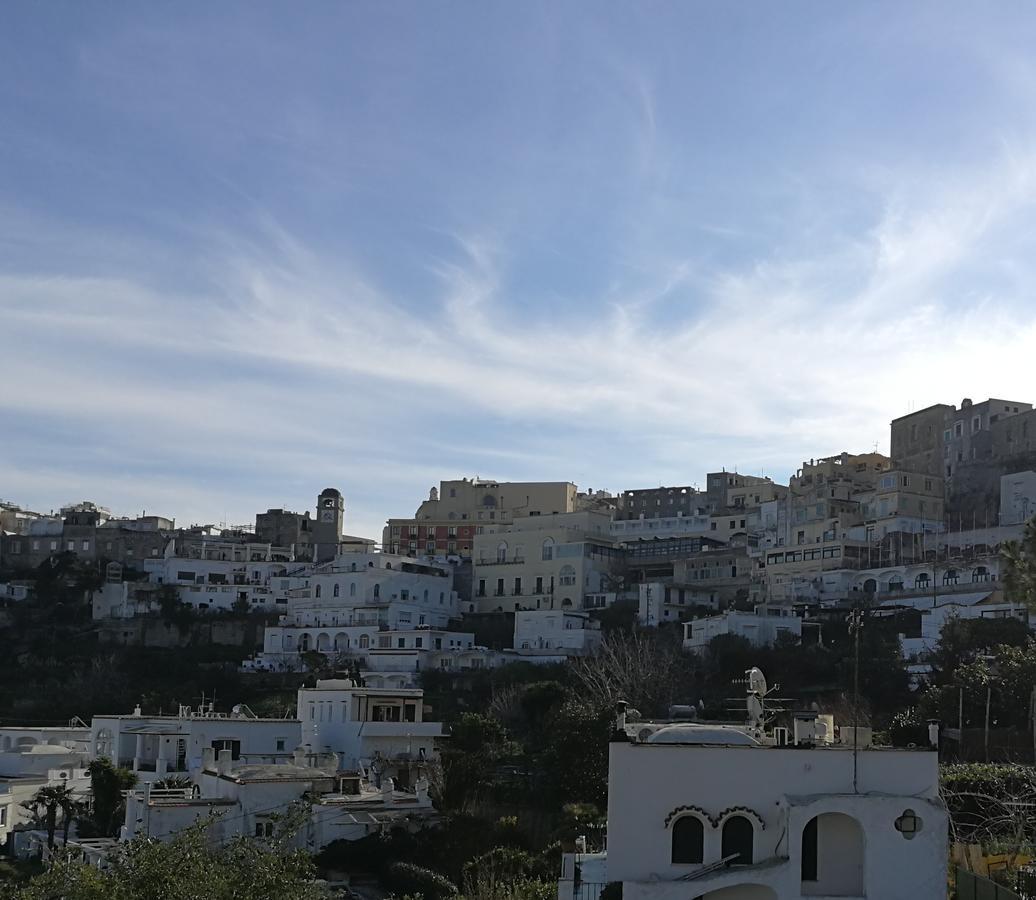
921, 581
316, 592
341, 641
896, 583
352, 588
688, 840
501, 552
377, 591
567, 576
352, 568
566, 602
870, 586
738, 838
365, 642
388, 565
950, 576
979, 573
338, 589
103, 745
303, 642
548, 549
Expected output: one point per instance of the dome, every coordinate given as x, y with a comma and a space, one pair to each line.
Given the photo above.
702, 734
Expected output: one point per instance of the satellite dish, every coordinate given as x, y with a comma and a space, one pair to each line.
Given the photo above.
756, 681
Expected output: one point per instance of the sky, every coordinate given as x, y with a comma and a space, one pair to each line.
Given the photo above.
251, 250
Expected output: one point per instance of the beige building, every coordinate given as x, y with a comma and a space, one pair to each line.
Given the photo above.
544, 562
448, 521
939, 439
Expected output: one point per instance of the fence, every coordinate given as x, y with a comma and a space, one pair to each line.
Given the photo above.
974, 887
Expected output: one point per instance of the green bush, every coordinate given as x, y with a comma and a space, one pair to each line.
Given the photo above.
406, 878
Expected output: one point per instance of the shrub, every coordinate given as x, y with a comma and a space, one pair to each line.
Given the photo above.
406, 878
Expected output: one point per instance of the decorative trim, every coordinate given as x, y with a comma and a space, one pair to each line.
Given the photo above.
680, 810
740, 810
715, 821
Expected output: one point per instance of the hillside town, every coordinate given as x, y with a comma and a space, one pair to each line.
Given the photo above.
560, 659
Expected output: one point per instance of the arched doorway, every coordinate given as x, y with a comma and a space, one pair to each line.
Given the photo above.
832, 856
738, 840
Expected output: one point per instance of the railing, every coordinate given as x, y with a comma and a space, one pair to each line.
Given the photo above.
588, 890
970, 886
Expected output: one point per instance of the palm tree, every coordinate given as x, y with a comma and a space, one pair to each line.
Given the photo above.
45, 804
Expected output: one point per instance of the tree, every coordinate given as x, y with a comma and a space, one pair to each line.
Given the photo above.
574, 761
45, 805
962, 641
1020, 557
477, 745
643, 668
107, 782
190, 866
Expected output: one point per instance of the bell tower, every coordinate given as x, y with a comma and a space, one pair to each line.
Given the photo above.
330, 520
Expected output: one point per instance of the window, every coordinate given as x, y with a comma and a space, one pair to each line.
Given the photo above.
316, 592
946, 435
228, 744
263, 829
738, 838
280, 743
539, 584
86, 545
501, 552
3, 815
365, 641
517, 586
482, 587
352, 589
976, 424
500, 587
567, 576
688, 841
548, 549
377, 591
337, 590
958, 429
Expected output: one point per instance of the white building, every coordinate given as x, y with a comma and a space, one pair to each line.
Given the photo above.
155, 746
374, 731
1017, 498
555, 633
362, 602
762, 628
705, 811
249, 800
15, 591
31, 758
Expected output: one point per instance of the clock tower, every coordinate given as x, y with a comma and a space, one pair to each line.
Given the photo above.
330, 520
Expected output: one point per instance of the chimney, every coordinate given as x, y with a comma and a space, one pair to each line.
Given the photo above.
208, 759
387, 787
620, 715
805, 729
933, 733
224, 761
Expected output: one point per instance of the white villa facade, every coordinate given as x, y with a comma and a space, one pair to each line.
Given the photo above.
722, 813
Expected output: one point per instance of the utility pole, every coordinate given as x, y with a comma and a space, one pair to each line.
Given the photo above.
855, 624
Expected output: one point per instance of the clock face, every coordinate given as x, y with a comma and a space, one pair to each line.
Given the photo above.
327, 515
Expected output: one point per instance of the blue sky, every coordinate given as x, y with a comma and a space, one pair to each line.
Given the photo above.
250, 250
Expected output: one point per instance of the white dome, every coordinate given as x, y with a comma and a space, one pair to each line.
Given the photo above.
702, 734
